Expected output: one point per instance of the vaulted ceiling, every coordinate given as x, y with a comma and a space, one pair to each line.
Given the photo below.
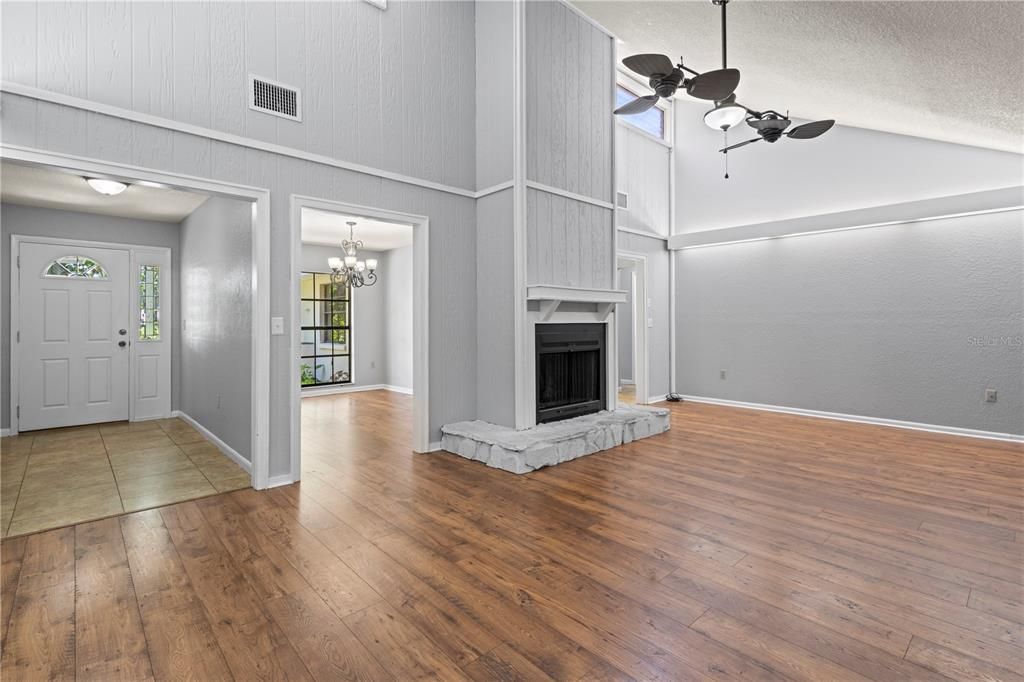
951, 71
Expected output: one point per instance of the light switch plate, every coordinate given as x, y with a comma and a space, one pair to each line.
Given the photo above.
277, 326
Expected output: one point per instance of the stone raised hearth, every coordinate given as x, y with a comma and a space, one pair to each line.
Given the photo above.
520, 452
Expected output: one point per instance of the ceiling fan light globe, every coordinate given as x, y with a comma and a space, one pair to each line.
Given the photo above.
725, 116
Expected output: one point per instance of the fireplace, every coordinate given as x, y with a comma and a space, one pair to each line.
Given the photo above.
571, 370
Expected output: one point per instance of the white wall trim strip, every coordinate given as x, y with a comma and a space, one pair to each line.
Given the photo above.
860, 419
336, 390
230, 138
641, 233
569, 195
956, 206
4, 433
278, 481
209, 435
494, 189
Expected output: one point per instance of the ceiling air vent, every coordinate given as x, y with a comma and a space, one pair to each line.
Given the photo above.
275, 98
622, 200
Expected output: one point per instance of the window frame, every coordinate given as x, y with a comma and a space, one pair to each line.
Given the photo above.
158, 304
637, 89
317, 329
98, 267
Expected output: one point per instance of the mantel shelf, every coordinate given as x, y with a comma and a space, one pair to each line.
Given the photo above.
551, 297
575, 294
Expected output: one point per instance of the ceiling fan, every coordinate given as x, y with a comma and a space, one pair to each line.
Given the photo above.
771, 127
665, 78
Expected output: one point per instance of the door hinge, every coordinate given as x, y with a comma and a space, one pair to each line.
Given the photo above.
18, 336
18, 261
17, 411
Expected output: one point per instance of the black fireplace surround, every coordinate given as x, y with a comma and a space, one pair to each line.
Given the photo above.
571, 370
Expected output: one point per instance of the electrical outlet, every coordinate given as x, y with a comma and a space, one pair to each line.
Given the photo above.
721, 374
991, 395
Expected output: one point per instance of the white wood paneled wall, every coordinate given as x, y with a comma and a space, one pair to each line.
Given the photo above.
568, 80
385, 89
644, 167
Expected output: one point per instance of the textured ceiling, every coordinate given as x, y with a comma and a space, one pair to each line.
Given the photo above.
329, 229
951, 71
52, 188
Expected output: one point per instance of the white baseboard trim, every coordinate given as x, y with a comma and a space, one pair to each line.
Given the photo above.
212, 437
627, 382
656, 399
435, 446
334, 390
4, 433
878, 421
278, 481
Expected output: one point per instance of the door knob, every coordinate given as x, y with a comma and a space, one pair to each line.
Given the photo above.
122, 344
122, 332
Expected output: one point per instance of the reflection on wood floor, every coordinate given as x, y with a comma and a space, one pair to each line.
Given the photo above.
740, 545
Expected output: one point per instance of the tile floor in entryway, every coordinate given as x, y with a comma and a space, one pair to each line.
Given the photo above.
58, 477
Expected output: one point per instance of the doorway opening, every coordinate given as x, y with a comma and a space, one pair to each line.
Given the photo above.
631, 320
117, 396
360, 343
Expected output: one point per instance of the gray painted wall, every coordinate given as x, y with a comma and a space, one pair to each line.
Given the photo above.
495, 306
398, 314
369, 318
357, 68
880, 322
624, 317
216, 315
909, 322
47, 222
48, 50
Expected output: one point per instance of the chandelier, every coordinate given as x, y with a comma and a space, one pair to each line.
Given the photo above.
350, 270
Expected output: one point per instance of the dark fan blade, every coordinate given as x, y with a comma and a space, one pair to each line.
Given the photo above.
648, 65
714, 85
637, 106
809, 130
740, 144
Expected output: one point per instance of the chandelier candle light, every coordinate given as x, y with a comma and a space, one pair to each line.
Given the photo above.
350, 270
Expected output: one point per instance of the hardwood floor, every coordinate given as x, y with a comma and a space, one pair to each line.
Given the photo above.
740, 545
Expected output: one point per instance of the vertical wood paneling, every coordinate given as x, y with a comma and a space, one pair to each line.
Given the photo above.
391, 95
62, 47
227, 97
569, 242
292, 35
152, 49
192, 62
19, 33
319, 98
346, 95
261, 59
368, 92
643, 173
110, 52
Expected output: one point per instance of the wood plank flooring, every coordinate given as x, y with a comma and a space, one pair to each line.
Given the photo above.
740, 545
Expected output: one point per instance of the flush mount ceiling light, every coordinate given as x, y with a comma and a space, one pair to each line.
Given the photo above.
350, 270
107, 187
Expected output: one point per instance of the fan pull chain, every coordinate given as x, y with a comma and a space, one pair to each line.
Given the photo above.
725, 138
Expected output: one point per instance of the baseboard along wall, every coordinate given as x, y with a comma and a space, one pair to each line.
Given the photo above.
232, 454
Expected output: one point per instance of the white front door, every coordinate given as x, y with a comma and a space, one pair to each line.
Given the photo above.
73, 351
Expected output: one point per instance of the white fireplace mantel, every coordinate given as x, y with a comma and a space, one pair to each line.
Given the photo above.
551, 297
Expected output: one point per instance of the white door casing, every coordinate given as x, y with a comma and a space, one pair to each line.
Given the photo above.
71, 367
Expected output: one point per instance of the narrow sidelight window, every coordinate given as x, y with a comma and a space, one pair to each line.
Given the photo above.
149, 303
